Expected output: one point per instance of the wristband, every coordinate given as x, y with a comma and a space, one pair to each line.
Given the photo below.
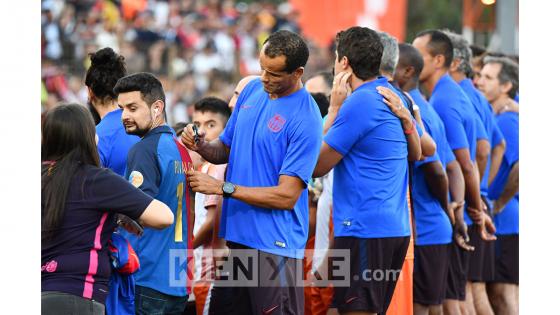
411, 130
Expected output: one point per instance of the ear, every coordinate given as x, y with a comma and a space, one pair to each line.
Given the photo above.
409, 72
346, 64
90, 93
504, 88
159, 106
299, 72
454, 65
440, 61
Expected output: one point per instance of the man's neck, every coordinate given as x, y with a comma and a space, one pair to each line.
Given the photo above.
457, 76
294, 89
500, 103
356, 82
410, 85
104, 108
430, 83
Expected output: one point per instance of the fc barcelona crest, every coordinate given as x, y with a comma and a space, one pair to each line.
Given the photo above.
276, 123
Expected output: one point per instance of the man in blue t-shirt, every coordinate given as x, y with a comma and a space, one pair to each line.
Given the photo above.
435, 217
157, 165
365, 144
481, 264
271, 144
462, 127
499, 82
113, 143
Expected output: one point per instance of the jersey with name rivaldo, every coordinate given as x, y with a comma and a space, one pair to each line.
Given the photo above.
507, 221
114, 143
76, 259
370, 182
154, 165
269, 138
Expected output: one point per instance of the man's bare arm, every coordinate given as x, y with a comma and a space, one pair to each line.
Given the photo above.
496, 160
328, 158
510, 190
482, 154
283, 196
215, 152
472, 182
437, 181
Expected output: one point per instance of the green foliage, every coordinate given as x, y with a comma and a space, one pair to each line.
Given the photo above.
433, 14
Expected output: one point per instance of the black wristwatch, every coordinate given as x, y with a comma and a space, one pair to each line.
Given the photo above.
228, 189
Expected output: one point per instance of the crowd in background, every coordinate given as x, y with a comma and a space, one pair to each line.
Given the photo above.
195, 47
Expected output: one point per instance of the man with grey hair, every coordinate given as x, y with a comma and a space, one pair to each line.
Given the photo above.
499, 82
387, 68
481, 268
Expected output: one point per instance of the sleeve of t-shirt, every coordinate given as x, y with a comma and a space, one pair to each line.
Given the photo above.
454, 130
497, 135
304, 144
347, 127
218, 172
227, 135
449, 155
142, 170
510, 129
429, 159
113, 193
480, 130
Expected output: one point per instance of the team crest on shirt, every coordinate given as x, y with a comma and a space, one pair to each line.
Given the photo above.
276, 123
136, 179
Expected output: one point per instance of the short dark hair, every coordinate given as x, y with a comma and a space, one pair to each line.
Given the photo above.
410, 56
439, 44
477, 50
289, 44
146, 83
509, 72
214, 105
107, 67
322, 101
363, 48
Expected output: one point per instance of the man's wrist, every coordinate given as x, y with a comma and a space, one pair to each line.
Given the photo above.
408, 125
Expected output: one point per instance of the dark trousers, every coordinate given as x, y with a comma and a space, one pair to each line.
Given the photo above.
151, 302
56, 303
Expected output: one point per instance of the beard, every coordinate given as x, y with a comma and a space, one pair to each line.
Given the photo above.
134, 129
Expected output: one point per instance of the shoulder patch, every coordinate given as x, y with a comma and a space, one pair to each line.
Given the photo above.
136, 179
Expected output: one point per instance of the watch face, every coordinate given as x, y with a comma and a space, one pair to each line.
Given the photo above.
228, 188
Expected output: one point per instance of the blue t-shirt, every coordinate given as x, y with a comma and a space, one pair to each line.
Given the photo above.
114, 143
484, 111
155, 166
370, 182
462, 125
507, 221
268, 138
432, 223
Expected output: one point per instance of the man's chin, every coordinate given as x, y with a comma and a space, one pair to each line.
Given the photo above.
134, 131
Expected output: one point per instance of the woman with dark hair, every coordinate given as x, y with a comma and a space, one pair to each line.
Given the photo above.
107, 67
79, 200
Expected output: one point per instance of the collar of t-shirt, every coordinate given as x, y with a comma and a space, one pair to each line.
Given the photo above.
159, 129
444, 79
380, 80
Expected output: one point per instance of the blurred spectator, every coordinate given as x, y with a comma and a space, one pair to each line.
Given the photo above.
197, 47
